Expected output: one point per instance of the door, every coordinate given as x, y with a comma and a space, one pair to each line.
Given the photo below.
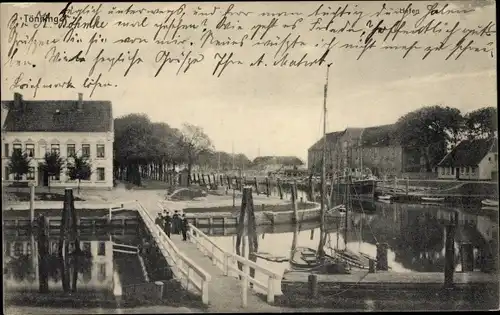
457, 172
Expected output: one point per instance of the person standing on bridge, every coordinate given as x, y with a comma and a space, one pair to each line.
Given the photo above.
184, 227
168, 224
176, 226
159, 219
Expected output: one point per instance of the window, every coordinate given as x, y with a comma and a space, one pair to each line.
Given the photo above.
100, 150
473, 170
101, 251
6, 149
447, 171
467, 170
100, 174
17, 147
452, 171
54, 148
31, 174
442, 170
86, 150
101, 276
30, 150
70, 150
462, 170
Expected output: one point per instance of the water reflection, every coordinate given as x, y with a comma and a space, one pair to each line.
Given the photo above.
415, 234
91, 269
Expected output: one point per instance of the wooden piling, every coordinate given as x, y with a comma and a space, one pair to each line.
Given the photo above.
268, 188
209, 180
294, 203
215, 179
32, 203
43, 252
313, 285
382, 261
203, 179
256, 184
221, 180
228, 182
280, 190
371, 266
467, 257
449, 256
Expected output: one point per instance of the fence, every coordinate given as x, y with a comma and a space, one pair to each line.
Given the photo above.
209, 248
184, 269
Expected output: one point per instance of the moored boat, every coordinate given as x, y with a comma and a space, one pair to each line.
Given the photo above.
307, 259
433, 199
489, 208
490, 202
384, 197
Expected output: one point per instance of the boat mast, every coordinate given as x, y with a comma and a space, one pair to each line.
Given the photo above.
323, 160
232, 148
218, 163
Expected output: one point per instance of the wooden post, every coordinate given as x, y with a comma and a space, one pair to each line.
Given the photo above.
313, 285
43, 252
32, 203
280, 191
203, 179
221, 180
209, 180
234, 197
382, 262
311, 187
449, 256
371, 266
256, 185
294, 203
215, 179
268, 188
228, 182
467, 257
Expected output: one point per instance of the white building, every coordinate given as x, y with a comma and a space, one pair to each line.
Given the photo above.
68, 127
471, 159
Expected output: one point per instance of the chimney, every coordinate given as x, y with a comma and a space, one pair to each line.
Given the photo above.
18, 101
80, 101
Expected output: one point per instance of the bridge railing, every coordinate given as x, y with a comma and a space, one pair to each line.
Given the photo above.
222, 259
184, 269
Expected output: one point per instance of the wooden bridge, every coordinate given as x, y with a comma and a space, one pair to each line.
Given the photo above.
204, 268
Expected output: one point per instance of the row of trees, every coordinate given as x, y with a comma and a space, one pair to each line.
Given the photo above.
434, 130
77, 167
143, 147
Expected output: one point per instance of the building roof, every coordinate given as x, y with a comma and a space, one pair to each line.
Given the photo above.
59, 116
281, 160
330, 137
469, 152
372, 137
379, 136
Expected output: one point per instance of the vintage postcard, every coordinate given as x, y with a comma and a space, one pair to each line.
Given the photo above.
291, 156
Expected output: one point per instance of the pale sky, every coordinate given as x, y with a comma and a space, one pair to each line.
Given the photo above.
276, 110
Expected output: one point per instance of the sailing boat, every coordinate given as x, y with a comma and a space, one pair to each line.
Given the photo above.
307, 259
